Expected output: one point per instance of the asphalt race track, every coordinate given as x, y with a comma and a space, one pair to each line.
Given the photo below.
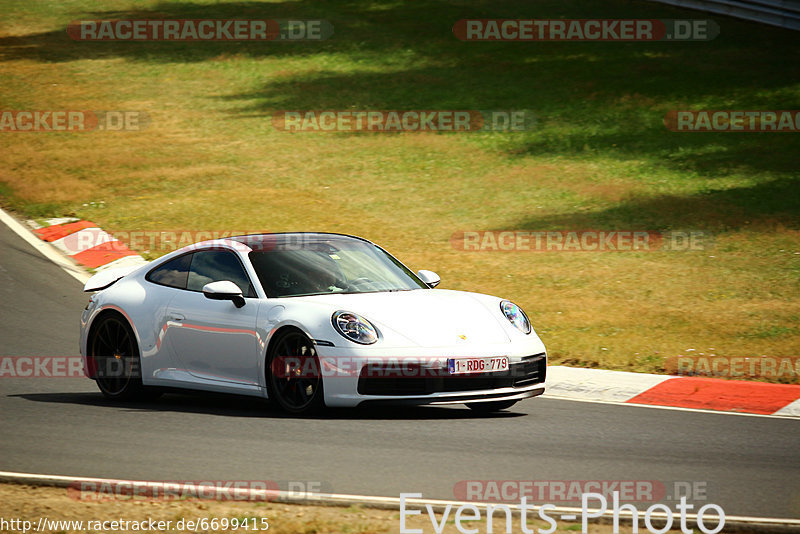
750, 465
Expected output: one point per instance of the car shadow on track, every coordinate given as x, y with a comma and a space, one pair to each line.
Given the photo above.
236, 406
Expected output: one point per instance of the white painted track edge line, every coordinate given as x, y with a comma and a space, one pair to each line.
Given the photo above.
44, 248
337, 499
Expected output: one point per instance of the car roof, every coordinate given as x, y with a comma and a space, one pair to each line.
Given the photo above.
271, 240
265, 242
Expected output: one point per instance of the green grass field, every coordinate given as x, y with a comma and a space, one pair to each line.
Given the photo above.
599, 157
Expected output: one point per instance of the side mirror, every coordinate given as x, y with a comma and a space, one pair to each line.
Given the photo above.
429, 277
224, 290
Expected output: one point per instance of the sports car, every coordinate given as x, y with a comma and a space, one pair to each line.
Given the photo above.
306, 320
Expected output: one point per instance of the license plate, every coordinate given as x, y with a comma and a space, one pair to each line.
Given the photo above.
467, 366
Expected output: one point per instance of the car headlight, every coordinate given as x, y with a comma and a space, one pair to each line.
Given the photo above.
354, 327
516, 316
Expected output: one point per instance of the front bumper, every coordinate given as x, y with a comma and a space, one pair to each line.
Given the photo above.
372, 380
418, 380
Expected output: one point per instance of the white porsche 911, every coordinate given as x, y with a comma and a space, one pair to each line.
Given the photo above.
307, 320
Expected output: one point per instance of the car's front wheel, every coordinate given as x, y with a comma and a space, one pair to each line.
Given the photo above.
490, 407
114, 358
294, 377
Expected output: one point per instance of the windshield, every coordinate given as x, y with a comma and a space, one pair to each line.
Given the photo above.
317, 266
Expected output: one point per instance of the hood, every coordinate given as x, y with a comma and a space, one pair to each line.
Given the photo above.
109, 277
425, 317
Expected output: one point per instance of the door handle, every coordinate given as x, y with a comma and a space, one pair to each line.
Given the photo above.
176, 317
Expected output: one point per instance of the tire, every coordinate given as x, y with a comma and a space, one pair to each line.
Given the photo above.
296, 388
114, 357
490, 407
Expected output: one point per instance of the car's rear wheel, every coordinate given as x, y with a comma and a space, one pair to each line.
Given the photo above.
489, 407
114, 357
294, 378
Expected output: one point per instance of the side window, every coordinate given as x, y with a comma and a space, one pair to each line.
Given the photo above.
174, 273
215, 265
